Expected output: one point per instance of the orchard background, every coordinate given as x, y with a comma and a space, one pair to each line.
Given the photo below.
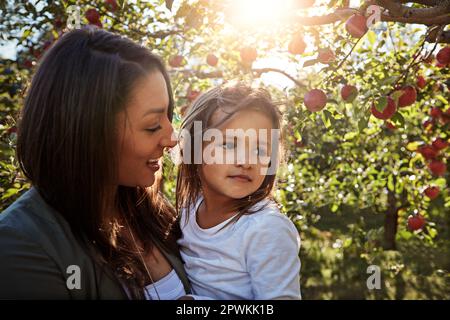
366, 111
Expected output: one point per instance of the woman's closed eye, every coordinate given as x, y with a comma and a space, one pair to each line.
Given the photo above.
154, 129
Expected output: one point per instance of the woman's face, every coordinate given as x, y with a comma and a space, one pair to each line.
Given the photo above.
144, 132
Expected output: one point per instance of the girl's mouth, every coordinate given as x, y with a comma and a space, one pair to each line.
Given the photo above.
241, 178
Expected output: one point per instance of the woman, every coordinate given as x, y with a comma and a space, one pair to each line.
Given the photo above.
95, 124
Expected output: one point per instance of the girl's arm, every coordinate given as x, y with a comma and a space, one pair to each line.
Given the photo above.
273, 246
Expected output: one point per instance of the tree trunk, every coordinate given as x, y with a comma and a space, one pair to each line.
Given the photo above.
390, 223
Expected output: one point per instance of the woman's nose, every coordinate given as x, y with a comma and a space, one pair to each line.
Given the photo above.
170, 140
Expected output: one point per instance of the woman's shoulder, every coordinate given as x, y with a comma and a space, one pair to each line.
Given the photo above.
29, 214
32, 224
38, 251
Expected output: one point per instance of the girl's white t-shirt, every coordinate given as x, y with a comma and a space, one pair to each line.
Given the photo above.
255, 258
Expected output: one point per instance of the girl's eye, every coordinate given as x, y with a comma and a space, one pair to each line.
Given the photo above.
262, 152
228, 145
152, 130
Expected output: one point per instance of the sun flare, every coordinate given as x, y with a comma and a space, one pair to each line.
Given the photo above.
267, 13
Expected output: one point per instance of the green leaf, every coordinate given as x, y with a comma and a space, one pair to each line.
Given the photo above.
9, 193
350, 135
311, 62
381, 104
362, 123
334, 207
412, 146
441, 98
388, 80
432, 232
325, 119
390, 183
396, 94
404, 234
371, 36
398, 119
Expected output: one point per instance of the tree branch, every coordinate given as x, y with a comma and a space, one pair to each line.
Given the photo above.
343, 14
199, 74
441, 20
339, 14
444, 38
264, 70
396, 9
424, 2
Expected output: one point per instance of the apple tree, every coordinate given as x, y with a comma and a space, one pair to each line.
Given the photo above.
364, 90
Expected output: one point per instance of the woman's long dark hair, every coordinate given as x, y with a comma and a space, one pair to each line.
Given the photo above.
67, 146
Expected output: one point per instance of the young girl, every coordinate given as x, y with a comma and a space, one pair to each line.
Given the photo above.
235, 243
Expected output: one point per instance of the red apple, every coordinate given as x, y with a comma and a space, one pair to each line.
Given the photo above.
428, 152
326, 55
248, 55
428, 59
439, 144
297, 45
92, 16
12, 130
435, 112
111, 5
299, 143
349, 93
36, 53
28, 64
58, 23
356, 25
176, 61
443, 56
421, 82
192, 94
390, 125
212, 60
388, 111
315, 100
416, 222
47, 44
408, 97
432, 192
438, 168
445, 117
98, 24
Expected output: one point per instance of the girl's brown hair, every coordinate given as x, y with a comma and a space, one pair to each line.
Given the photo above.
229, 99
67, 146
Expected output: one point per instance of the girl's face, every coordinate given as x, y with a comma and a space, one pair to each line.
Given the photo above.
144, 132
246, 174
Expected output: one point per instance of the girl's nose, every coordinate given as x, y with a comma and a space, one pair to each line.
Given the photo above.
243, 159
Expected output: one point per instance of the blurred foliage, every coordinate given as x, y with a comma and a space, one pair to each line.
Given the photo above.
347, 175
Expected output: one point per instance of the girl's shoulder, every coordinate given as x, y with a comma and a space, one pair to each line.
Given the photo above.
270, 225
192, 209
267, 213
